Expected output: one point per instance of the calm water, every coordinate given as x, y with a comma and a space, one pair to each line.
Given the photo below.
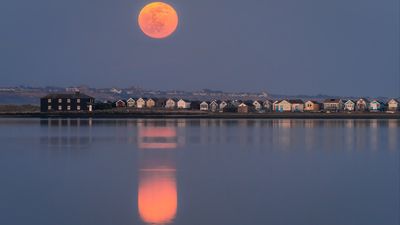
199, 172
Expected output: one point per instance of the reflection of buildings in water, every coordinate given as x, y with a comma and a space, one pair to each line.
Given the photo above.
65, 141
282, 135
393, 129
374, 134
309, 123
181, 123
66, 133
157, 191
349, 124
310, 133
360, 134
155, 137
349, 134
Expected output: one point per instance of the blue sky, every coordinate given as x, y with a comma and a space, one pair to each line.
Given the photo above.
341, 47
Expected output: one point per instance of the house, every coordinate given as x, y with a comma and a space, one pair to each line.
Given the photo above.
160, 102
66, 102
333, 105
214, 106
103, 105
229, 107
183, 104
362, 105
222, 105
283, 106
235, 103
151, 103
268, 105
393, 105
297, 105
258, 105
275, 107
130, 102
349, 105
204, 106
311, 106
120, 104
243, 108
141, 103
170, 103
195, 105
376, 106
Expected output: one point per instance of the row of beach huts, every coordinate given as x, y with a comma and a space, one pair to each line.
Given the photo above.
82, 102
285, 105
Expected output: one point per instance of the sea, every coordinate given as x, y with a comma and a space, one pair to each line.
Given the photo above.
199, 171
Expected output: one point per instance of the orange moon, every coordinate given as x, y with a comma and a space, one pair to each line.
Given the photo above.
158, 20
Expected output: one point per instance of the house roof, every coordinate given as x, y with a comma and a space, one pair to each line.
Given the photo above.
160, 100
350, 101
216, 101
185, 100
258, 101
376, 101
291, 101
314, 102
247, 102
332, 100
363, 99
67, 95
296, 101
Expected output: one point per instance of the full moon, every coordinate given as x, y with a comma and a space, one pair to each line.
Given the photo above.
158, 20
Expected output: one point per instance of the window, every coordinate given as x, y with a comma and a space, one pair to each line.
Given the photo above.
68, 100
59, 100
49, 107
69, 108
59, 107
78, 100
78, 107
49, 100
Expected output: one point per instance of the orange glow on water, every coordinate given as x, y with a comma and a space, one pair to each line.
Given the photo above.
158, 145
157, 138
157, 196
157, 132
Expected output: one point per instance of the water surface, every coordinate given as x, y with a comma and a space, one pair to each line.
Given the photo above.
222, 172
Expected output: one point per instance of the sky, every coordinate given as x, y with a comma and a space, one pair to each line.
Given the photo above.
340, 47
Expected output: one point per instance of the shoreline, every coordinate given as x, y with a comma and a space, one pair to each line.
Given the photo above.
202, 115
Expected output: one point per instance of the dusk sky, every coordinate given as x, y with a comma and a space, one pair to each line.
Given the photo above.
335, 47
